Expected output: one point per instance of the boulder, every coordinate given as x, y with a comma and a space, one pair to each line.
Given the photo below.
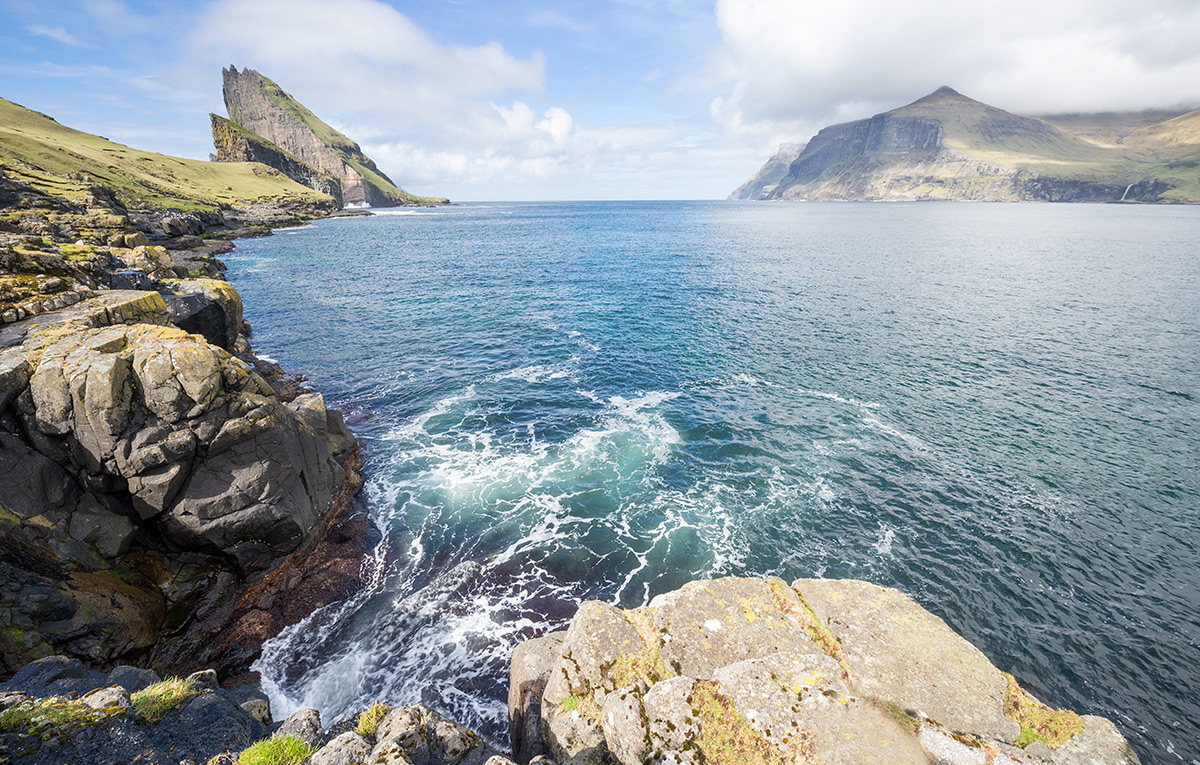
136, 239
113, 696
528, 673
346, 749
132, 679
213, 306
174, 226
420, 736
305, 724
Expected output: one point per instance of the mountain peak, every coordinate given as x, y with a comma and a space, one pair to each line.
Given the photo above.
945, 90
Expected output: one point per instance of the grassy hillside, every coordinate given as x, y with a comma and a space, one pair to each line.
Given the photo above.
38, 150
1108, 129
349, 151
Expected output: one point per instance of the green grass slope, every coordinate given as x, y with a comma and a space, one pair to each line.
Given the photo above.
349, 151
63, 161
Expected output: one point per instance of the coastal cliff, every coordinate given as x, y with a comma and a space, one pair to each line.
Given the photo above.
155, 475
947, 146
267, 124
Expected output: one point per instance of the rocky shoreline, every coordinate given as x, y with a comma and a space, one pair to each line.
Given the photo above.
169, 501
159, 483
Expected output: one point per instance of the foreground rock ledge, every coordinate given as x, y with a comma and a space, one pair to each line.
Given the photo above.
757, 671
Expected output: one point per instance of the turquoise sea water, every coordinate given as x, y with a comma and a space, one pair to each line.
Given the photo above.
995, 408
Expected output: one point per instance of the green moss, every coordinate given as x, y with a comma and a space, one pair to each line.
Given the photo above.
49, 717
154, 701
645, 665
368, 721
726, 737
1053, 727
585, 705
281, 750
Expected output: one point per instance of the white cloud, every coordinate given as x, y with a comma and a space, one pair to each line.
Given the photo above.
796, 66
54, 33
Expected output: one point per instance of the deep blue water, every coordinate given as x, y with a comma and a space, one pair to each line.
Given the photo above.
995, 408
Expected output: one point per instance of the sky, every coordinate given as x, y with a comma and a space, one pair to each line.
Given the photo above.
610, 99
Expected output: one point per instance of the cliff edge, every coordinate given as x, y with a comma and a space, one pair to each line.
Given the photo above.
267, 124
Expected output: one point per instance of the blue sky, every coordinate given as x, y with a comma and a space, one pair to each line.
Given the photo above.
626, 99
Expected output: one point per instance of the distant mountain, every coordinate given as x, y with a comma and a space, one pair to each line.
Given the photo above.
949, 146
769, 176
266, 124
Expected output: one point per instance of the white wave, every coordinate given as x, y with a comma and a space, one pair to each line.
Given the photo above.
887, 535
839, 399
536, 373
912, 441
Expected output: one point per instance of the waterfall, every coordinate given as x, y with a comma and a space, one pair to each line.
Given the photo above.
1127, 188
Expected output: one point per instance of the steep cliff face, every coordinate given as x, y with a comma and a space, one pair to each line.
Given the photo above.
237, 145
769, 176
256, 104
948, 146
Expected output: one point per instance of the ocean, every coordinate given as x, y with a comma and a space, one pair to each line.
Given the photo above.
993, 407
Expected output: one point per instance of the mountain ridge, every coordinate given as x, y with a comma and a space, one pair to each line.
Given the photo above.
948, 146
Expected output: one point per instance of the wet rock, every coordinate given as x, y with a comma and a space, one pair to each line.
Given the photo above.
36, 676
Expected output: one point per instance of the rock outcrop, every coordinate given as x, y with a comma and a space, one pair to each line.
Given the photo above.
948, 146
55, 711
267, 124
235, 144
750, 670
154, 474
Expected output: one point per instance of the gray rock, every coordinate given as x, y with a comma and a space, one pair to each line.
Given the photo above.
113, 696
14, 376
671, 723
624, 723
347, 749
199, 315
900, 653
34, 677
130, 279
305, 724
708, 624
598, 635
421, 736
136, 239
174, 226
112, 534
205, 679
529, 670
944, 749
1100, 743
132, 679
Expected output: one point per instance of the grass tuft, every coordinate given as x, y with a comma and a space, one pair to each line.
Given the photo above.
154, 701
368, 721
1038, 722
281, 750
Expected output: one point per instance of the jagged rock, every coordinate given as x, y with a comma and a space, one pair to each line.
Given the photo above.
14, 376
420, 736
528, 673
130, 279
111, 533
136, 239
36, 676
209, 307
304, 724
174, 226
